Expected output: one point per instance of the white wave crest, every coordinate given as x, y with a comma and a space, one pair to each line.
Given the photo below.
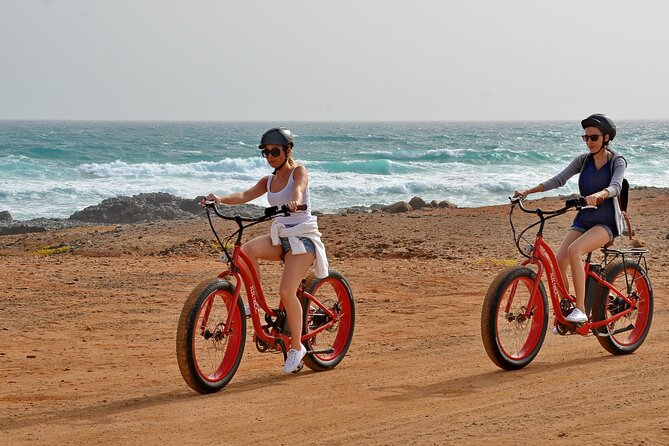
229, 166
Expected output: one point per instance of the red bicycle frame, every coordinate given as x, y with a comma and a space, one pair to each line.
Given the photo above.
543, 257
248, 275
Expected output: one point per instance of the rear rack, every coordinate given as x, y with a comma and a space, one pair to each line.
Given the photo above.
637, 255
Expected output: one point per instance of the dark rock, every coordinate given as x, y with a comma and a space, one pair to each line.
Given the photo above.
5, 217
399, 207
154, 206
138, 208
192, 206
417, 203
446, 204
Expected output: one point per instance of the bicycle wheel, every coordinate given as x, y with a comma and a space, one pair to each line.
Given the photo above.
512, 338
208, 356
330, 345
628, 332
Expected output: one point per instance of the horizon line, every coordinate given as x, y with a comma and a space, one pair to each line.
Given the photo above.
307, 120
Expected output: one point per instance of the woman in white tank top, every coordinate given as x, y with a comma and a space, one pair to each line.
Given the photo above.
294, 238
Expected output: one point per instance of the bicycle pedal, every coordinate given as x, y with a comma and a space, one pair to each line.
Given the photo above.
299, 368
563, 330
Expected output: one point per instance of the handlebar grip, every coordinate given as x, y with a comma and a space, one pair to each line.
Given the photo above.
576, 202
275, 210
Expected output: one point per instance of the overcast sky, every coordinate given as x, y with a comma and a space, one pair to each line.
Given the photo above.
333, 60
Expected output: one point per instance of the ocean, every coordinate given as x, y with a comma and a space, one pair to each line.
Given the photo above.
50, 169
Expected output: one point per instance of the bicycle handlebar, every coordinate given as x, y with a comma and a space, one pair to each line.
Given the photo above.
578, 202
270, 212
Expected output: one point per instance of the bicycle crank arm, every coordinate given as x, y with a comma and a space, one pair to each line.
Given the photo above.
620, 330
325, 350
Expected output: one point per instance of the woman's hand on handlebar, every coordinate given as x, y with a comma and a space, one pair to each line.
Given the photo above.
209, 198
593, 200
292, 206
520, 193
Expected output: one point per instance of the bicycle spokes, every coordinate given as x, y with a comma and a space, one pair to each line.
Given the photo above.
210, 336
210, 348
329, 319
513, 320
626, 329
517, 330
323, 323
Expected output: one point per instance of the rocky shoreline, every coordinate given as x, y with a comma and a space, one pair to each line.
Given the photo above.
156, 206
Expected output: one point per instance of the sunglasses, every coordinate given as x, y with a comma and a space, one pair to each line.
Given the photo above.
267, 152
593, 138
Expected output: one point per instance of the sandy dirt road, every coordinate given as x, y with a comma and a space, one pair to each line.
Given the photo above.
87, 344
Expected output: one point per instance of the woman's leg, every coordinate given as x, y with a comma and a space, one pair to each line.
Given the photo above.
562, 255
294, 270
261, 248
594, 238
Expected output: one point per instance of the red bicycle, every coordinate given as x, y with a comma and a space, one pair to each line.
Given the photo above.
212, 327
619, 298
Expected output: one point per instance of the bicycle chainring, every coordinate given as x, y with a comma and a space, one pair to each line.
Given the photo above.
566, 306
261, 345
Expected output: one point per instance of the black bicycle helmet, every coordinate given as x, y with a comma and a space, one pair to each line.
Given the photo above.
602, 122
277, 135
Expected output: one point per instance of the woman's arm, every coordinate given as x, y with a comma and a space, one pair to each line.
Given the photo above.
619, 166
524, 193
561, 179
558, 180
242, 197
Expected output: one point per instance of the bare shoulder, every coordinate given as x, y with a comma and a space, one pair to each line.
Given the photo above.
262, 183
300, 172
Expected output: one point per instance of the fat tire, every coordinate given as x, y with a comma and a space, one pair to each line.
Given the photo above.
489, 317
312, 284
599, 309
186, 356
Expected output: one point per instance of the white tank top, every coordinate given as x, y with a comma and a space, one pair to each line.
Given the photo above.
284, 196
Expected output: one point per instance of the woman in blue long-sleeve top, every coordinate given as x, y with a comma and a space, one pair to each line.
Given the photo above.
601, 173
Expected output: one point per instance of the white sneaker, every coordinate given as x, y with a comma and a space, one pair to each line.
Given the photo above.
247, 309
577, 316
293, 360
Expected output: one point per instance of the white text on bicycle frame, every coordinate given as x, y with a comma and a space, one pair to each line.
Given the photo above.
254, 297
554, 283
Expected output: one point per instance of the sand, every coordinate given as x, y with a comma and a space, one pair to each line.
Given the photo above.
88, 325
